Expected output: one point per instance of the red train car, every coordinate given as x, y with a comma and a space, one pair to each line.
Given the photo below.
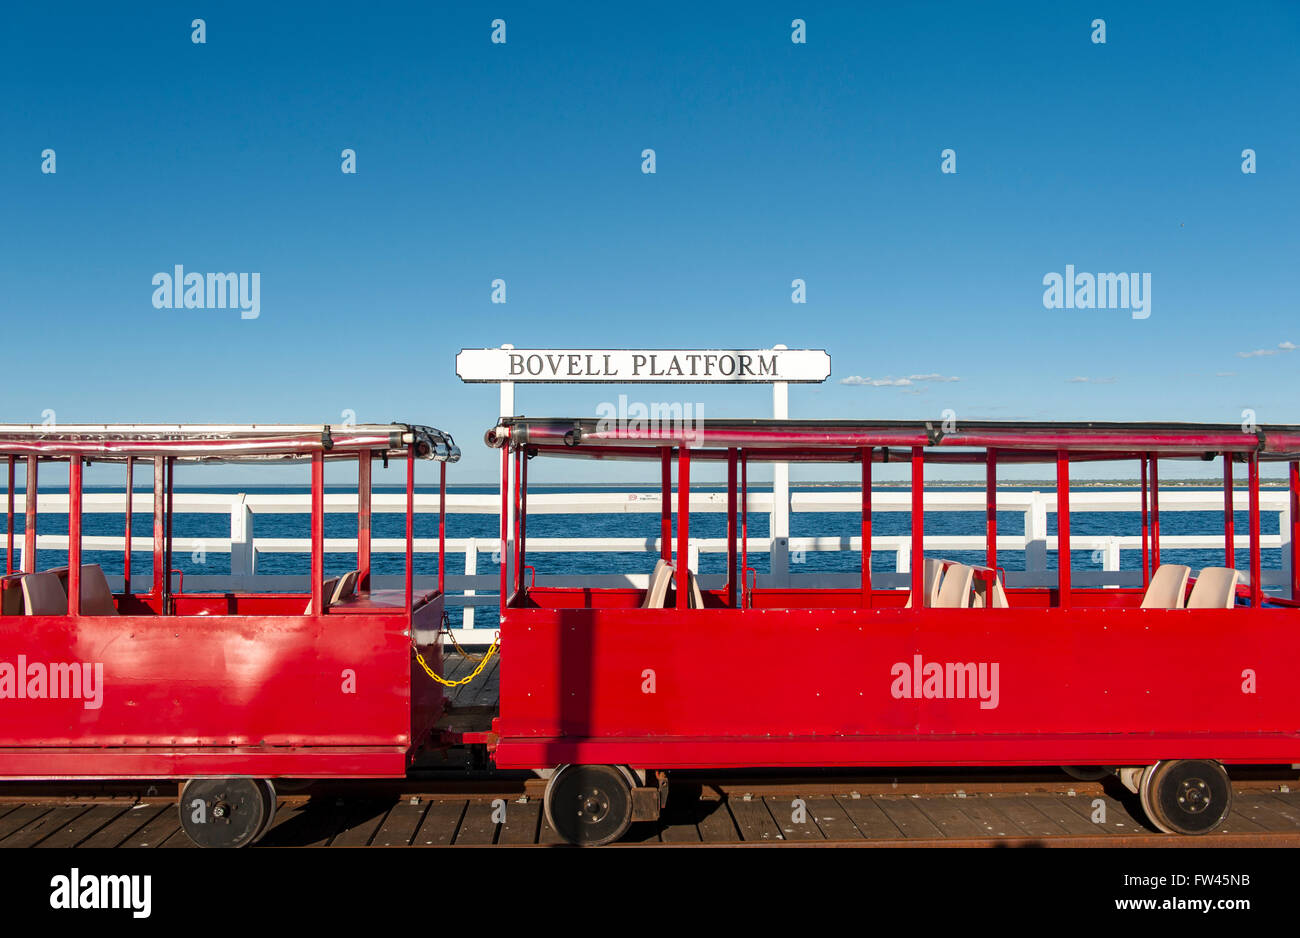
606, 690
228, 691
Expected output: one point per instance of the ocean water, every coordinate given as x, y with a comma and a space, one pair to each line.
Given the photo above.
485, 527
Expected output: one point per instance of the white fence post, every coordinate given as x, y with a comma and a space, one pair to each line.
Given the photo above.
1284, 527
779, 553
1036, 534
471, 569
243, 553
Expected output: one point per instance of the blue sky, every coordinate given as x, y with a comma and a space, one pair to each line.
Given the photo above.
775, 161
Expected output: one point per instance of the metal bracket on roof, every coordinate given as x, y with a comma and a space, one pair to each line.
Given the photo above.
326, 440
934, 435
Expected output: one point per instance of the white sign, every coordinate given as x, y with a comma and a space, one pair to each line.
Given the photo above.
644, 366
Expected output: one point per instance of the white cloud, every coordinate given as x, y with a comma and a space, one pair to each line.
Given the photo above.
1287, 346
1265, 352
1225, 374
1082, 380
891, 382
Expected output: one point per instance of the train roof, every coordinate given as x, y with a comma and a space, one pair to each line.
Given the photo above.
892, 440
225, 443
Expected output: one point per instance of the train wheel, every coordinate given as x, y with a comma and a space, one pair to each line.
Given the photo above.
1186, 796
226, 812
269, 799
1087, 773
589, 805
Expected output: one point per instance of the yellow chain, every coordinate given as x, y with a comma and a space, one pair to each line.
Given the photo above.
465, 680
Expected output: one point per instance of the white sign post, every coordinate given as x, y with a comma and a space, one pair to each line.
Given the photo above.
778, 366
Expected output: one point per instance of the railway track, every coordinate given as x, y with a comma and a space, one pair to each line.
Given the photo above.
880, 810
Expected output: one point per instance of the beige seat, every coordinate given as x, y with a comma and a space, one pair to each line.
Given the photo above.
696, 599
657, 593
1215, 588
346, 587
43, 595
96, 597
954, 592
931, 574
999, 596
327, 590
1167, 588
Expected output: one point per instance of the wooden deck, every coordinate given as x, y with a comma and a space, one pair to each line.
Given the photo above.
1265, 818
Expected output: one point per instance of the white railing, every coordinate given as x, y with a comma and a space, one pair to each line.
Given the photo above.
468, 589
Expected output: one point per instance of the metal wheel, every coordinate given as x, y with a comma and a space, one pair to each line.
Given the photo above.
269, 799
589, 805
226, 812
1186, 796
1087, 773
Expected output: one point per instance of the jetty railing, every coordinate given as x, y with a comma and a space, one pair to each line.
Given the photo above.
471, 589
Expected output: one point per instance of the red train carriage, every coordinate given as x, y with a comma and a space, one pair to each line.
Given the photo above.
227, 690
607, 689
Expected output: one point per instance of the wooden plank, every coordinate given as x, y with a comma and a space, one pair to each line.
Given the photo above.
753, 820
362, 820
180, 840
1260, 813
715, 823
400, 825
522, 821
483, 692
1056, 810
19, 818
158, 829
547, 834
126, 824
79, 828
867, 817
945, 812
440, 824
990, 820
1286, 804
1118, 819
477, 827
1029, 819
834, 823
51, 822
783, 812
907, 817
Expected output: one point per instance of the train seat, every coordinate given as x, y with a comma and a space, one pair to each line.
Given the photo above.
657, 593
1215, 588
43, 595
96, 597
954, 590
696, 598
327, 590
347, 587
932, 571
999, 597
1167, 588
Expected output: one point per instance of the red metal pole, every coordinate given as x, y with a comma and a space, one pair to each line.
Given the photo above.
519, 521
1295, 530
74, 536
1256, 587
1146, 556
159, 509
1062, 528
410, 529
505, 522
167, 541
683, 526
1229, 522
9, 522
732, 464
31, 487
666, 509
918, 526
365, 505
991, 512
866, 526
744, 524
442, 527
1155, 514
318, 533
126, 538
